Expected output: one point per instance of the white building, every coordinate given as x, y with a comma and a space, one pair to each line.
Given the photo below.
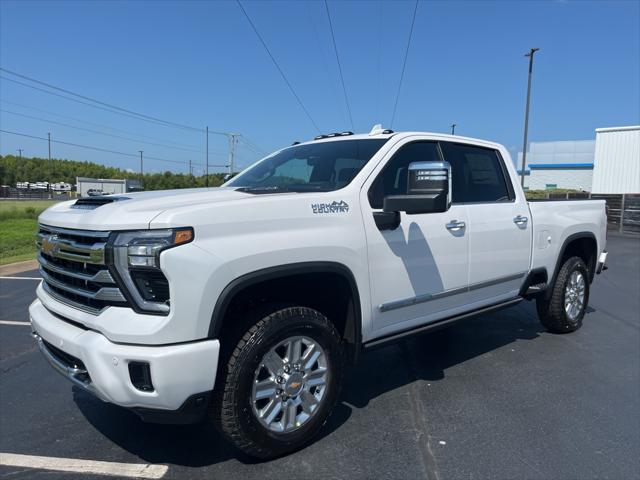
617, 160
105, 186
563, 164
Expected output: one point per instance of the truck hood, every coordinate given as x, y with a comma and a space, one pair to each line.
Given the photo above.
129, 211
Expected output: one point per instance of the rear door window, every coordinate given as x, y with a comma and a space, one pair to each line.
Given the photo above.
477, 173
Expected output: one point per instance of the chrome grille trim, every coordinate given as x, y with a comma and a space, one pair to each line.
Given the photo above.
69, 302
73, 267
109, 294
75, 233
71, 250
103, 276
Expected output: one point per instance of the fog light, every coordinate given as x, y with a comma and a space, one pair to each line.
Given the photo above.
140, 374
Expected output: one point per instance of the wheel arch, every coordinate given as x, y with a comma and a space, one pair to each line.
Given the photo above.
581, 244
351, 330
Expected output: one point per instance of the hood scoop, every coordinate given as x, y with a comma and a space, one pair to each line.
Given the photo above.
91, 203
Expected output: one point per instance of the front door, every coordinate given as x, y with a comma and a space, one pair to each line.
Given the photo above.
418, 271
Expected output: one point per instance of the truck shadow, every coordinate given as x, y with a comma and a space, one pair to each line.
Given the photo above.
425, 357
417, 258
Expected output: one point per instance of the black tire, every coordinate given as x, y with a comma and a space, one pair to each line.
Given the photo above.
551, 310
232, 410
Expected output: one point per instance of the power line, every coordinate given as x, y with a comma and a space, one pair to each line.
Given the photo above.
284, 77
29, 107
99, 149
108, 105
113, 108
96, 131
404, 64
73, 99
335, 49
251, 146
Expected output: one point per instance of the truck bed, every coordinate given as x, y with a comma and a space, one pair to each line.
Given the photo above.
555, 221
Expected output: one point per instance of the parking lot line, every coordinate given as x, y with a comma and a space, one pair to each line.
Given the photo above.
20, 278
127, 470
13, 322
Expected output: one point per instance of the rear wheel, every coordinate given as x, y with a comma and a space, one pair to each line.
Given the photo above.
564, 310
280, 383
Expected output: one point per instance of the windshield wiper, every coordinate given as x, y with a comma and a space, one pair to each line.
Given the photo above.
283, 189
265, 189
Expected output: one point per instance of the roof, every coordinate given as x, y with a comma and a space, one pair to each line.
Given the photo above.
618, 129
440, 136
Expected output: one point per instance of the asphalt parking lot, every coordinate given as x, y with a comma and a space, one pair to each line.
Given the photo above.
495, 397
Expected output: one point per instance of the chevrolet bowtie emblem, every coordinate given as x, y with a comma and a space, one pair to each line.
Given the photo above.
49, 244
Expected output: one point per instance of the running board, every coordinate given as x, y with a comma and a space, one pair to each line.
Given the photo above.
535, 289
437, 325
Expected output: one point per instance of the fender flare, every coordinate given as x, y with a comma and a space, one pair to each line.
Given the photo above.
565, 244
353, 326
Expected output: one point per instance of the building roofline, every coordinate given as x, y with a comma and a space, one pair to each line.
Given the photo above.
618, 129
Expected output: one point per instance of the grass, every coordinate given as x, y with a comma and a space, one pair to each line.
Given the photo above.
18, 225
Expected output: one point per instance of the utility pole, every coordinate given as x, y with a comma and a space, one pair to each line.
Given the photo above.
49, 138
453, 128
141, 165
190, 168
233, 140
19, 150
207, 161
526, 114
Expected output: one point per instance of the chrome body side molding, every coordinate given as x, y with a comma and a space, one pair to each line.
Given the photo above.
427, 297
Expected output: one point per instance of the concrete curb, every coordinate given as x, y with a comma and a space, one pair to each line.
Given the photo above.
18, 267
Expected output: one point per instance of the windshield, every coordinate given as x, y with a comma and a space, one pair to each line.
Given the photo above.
323, 166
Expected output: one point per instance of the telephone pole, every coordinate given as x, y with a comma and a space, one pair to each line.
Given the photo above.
233, 140
526, 114
19, 153
141, 164
453, 128
207, 161
49, 141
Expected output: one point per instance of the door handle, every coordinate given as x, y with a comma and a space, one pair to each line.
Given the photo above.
455, 225
520, 220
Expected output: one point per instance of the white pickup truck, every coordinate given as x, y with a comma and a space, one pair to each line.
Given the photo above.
245, 303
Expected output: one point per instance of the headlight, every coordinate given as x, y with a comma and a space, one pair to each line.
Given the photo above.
136, 257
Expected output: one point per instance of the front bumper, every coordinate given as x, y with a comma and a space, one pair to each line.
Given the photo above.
101, 367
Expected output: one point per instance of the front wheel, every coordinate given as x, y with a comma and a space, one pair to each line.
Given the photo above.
280, 383
564, 310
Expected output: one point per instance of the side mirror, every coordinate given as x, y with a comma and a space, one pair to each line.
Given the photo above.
428, 190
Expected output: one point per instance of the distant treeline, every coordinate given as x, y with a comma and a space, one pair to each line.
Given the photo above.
14, 169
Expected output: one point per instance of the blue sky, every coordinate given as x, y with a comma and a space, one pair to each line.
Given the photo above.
199, 63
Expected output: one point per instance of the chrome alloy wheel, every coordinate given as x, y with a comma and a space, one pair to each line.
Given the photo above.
574, 295
289, 384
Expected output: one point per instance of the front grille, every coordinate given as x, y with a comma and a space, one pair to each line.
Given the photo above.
73, 267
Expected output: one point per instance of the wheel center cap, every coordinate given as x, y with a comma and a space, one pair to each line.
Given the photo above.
294, 384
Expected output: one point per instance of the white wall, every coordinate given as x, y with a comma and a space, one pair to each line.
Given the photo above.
617, 160
111, 187
576, 179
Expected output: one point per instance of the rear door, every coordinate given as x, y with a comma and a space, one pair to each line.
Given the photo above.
499, 227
